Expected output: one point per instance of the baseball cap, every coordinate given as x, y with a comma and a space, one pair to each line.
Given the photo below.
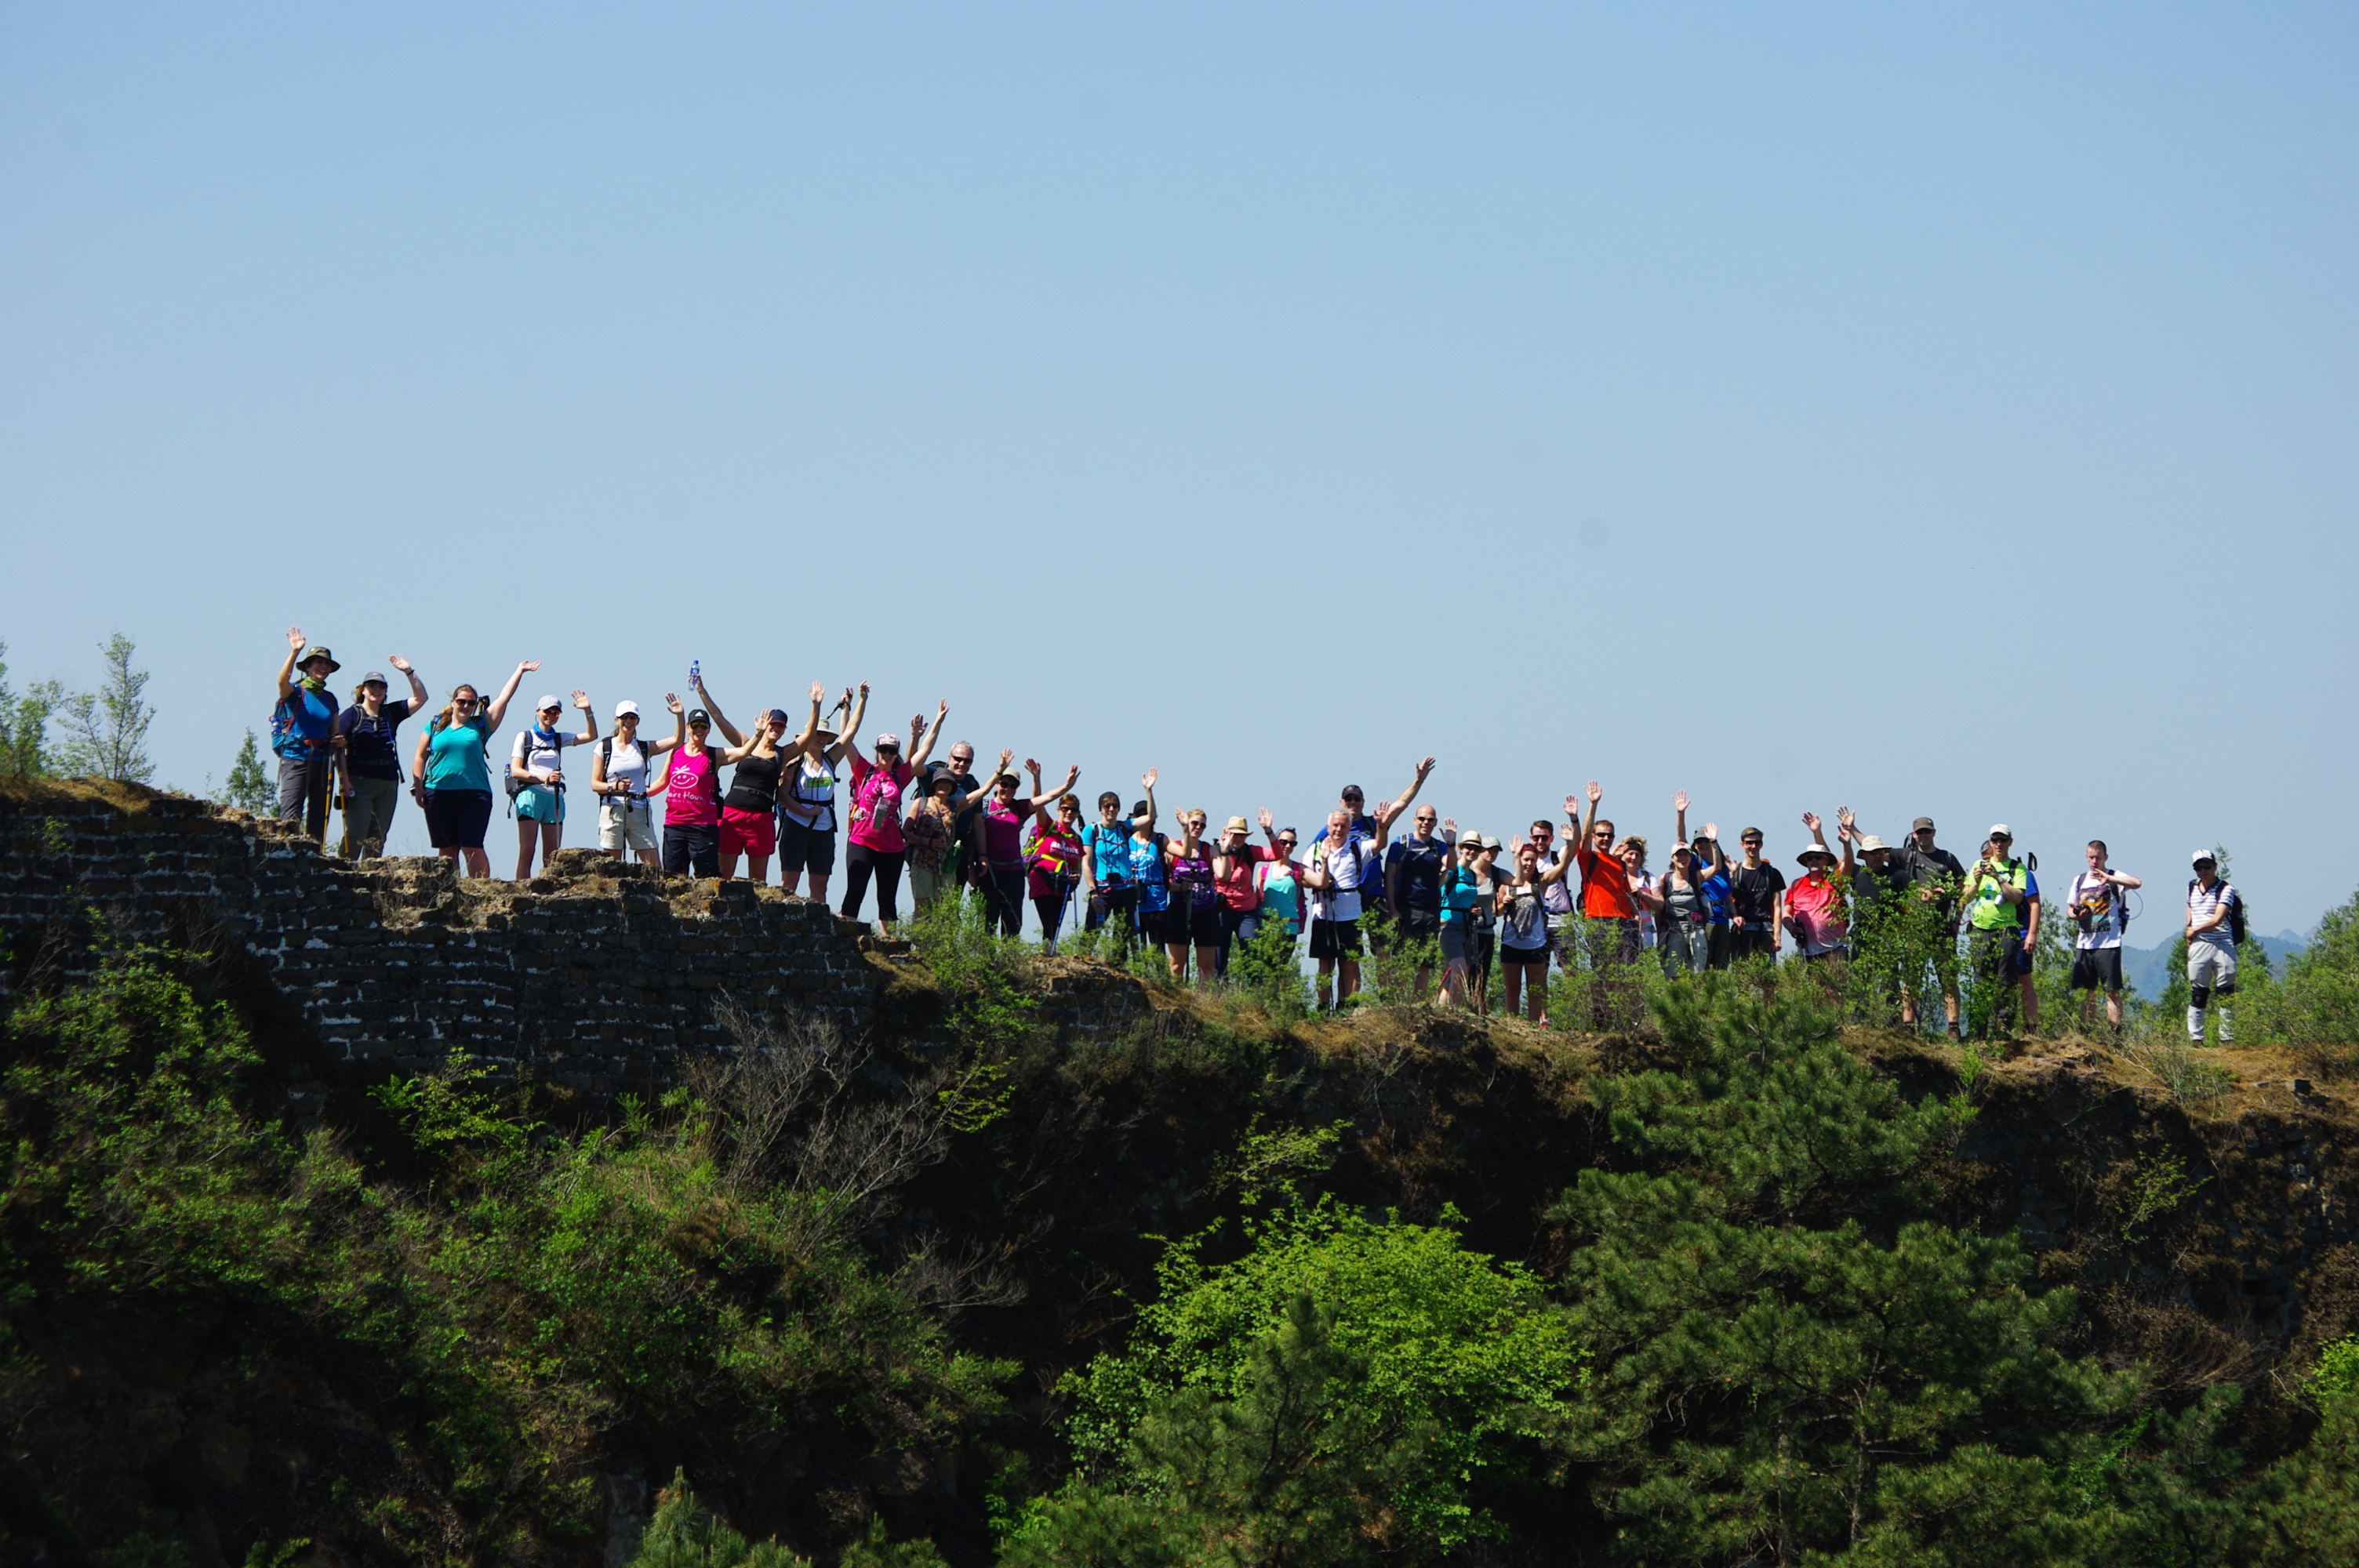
698, 715
1924, 822
1999, 830
545, 704
627, 708
775, 716
2199, 856
376, 676
884, 741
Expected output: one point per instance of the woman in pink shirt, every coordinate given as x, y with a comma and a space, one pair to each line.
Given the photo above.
1004, 819
875, 844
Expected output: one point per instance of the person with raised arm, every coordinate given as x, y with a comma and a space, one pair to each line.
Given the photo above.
749, 812
535, 763
1151, 887
625, 778
1234, 861
450, 774
1711, 876
1523, 926
1462, 889
1005, 817
1194, 918
368, 764
1052, 858
1413, 868
877, 848
1815, 909
302, 735
1342, 864
807, 825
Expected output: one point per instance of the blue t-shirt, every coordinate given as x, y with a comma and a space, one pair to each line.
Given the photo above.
310, 716
454, 757
1146, 870
1109, 851
1715, 896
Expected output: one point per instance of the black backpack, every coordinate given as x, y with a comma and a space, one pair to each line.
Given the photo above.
607, 758
2235, 908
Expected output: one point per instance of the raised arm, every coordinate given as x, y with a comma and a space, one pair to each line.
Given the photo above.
1040, 802
1719, 855
924, 749
803, 747
1385, 816
856, 711
719, 720
417, 697
1680, 805
653, 749
1148, 779
1588, 823
500, 708
589, 719
286, 670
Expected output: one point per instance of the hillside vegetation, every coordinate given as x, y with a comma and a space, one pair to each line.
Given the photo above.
1234, 1286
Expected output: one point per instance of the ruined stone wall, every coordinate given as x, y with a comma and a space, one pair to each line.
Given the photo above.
599, 973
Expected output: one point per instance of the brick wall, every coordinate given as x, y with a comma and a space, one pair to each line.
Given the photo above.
600, 972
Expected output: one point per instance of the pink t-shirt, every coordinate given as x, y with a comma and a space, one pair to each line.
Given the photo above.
1816, 909
692, 795
1002, 833
876, 810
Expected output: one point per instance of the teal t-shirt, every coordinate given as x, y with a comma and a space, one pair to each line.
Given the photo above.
454, 757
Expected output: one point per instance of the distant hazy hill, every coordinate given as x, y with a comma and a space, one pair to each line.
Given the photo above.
2147, 969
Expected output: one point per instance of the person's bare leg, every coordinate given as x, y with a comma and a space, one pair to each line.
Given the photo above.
2114, 1009
1206, 960
818, 887
1326, 982
553, 839
528, 836
479, 864
757, 868
1537, 991
650, 860
1176, 954
1349, 984
1512, 977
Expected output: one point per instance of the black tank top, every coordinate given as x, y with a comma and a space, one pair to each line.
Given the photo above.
755, 785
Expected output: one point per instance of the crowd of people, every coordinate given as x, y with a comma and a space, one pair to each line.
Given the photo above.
1463, 900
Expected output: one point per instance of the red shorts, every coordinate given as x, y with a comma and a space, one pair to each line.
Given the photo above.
747, 832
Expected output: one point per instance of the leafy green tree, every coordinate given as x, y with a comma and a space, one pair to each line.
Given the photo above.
249, 788
107, 729
23, 726
1330, 1397
1790, 1363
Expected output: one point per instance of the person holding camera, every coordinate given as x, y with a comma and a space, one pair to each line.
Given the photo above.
451, 773
2101, 915
623, 776
539, 788
1997, 941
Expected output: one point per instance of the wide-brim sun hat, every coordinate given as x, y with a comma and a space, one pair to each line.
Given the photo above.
1870, 844
313, 654
1236, 825
1804, 858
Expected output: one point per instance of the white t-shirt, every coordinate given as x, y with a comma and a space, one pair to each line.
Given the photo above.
1359, 858
2105, 931
2200, 905
810, 794
628, 761
1644, 880
544, 749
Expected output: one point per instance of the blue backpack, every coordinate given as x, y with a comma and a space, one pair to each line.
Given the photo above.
285, 740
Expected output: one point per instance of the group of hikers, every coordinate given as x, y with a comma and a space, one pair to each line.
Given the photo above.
1478, 904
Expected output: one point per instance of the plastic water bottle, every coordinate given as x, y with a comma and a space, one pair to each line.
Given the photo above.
695, 672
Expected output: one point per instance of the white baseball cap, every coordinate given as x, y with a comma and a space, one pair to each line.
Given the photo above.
545, 703
2000, 830
626, 707
2199, 856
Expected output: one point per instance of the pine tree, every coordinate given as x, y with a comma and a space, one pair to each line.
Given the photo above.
1791, 1363
109, 727
249, 787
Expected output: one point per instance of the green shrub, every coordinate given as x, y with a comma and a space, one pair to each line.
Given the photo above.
683, 1535
1374, 1349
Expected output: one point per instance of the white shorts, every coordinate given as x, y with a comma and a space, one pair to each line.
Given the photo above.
625, 825
2211, 964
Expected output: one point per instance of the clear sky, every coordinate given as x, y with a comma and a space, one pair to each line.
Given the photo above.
1944, 410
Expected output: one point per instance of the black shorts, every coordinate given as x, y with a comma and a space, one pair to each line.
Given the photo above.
802, 848
1336, 939
1530, 957
2097, 969
456, 818
1751, 942
1182, 926
1419, 924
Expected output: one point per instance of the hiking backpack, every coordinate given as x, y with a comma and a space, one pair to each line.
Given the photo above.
2236, 921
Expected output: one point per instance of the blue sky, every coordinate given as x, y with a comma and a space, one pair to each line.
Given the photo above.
1931, 409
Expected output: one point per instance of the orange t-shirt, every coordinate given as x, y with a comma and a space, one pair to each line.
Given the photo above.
1605, 887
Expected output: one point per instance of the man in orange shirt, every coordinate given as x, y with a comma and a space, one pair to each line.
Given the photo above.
1607, 904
